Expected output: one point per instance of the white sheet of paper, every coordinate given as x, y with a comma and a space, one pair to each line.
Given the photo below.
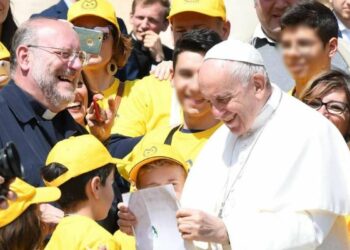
155, 211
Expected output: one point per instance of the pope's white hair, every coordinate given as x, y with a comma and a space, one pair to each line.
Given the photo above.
243, 72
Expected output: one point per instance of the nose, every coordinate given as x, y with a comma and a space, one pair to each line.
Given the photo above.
282, 4
217, 112
324, 111
144, 24
76, 64
193, 85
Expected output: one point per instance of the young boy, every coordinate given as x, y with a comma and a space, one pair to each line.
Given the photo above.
154, 165
82, 168
308, 41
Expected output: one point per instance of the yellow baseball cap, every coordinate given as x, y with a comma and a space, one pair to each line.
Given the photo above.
26, 196
4, 53
151, 152
100, 8
213, 8
80, 154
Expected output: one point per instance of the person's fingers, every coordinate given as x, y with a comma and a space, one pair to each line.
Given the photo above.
126, 230
126, 216
167, 74
112, 106
184, 212
150, 33
11, 195
126, 223
122, 207
3, 204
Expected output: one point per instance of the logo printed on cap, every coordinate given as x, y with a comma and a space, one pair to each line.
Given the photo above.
150, 151
89, 4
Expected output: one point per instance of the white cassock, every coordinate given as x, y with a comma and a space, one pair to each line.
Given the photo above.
283, 185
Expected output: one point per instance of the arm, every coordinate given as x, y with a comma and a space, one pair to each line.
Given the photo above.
262, 230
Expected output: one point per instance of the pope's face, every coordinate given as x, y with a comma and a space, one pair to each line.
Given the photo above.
269, 13
234, 102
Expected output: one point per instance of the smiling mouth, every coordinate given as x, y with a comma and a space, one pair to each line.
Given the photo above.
230, 120
74, 106
65, 79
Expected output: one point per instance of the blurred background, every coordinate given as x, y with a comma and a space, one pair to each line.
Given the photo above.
241, 14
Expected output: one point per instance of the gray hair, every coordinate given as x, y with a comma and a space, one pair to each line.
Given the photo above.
243, 72
25, 34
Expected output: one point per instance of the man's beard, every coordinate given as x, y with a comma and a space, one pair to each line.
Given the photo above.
48, 81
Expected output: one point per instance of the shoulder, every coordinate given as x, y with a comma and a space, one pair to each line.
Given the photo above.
72, 225
151, 84
58, 10
157, 135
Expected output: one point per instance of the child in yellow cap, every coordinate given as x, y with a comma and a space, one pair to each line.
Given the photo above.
82, 168
4, 65
155, 165
20, 226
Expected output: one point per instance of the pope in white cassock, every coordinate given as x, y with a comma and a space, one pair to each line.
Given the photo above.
277, 176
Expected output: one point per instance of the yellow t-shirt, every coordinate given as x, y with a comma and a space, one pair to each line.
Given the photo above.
126, 242
78, 232
187, 143
147, 107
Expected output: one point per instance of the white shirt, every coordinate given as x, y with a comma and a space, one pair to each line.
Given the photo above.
69, 2
345, 32
284, 183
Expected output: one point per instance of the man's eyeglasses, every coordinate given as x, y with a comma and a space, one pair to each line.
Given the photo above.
333, 107
65, 54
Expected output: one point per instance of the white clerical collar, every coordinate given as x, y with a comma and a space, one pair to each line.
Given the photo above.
259, 33
48, 115
268, 109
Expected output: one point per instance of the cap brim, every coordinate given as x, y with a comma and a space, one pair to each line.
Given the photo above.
94, 15
199, 11
46, 194
133, 172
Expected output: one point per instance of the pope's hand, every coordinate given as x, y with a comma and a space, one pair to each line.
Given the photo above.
126, 220
101, 121
200, 226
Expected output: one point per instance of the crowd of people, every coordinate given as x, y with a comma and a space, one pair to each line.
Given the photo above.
253, 137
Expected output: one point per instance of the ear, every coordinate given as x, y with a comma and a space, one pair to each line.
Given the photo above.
333, 46
226, 29
22, 57
94, 187
259, 85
